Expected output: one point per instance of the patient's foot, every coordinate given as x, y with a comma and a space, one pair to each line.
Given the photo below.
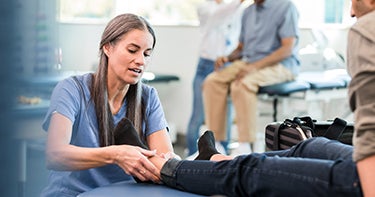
206, 146
125, 133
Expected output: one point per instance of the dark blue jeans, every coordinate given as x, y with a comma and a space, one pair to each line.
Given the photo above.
314, 167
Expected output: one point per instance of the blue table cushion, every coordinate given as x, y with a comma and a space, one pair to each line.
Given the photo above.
329, 79
327, 84
131, 188
285, 88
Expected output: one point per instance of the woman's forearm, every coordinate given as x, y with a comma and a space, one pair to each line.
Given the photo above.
72, 157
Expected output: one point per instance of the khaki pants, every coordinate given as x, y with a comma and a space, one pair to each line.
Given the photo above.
243, 93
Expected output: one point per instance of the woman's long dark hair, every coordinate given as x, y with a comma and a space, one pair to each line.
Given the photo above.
116, 28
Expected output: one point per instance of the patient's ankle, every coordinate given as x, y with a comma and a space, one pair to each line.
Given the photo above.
220, 157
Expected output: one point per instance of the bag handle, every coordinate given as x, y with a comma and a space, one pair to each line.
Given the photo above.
305, 121
304, 131
336, 129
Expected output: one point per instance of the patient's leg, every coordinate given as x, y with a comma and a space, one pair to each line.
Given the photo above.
125, 133
317, 148
207, 151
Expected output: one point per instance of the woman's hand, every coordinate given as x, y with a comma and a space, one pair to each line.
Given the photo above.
134, 161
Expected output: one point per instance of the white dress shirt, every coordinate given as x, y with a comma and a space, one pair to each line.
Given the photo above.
219, 28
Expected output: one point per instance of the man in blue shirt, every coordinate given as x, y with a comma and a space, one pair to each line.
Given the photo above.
266, 54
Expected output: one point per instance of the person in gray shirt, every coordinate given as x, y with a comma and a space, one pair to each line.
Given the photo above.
361, 67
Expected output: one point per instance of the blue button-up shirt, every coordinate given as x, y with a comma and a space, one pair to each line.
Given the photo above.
263, 27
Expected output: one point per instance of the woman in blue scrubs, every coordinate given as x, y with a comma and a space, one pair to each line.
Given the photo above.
81, 150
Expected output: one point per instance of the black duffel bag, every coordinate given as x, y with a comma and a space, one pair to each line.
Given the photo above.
283, 135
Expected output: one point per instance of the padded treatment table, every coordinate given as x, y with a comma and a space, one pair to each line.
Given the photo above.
306, 82
149, 77
283, 90
131, 188
325, 80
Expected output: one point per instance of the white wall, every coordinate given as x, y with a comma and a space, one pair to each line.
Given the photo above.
176, 53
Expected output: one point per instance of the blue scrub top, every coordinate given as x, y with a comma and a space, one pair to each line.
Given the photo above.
67, 100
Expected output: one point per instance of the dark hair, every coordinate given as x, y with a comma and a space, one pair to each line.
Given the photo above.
115, 29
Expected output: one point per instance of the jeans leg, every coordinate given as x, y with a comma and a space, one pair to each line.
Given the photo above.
318, 148
259, 175
197, 117
229, 125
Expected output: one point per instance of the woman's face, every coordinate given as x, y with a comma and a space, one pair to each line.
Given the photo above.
128, 57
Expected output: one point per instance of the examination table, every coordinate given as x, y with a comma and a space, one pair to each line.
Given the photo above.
131, 188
